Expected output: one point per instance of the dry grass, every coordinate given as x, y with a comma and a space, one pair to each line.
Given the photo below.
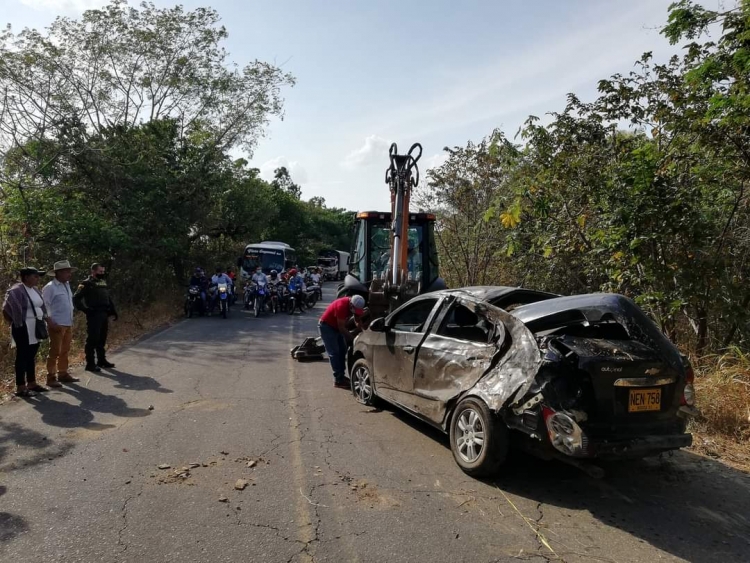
722, 387
132, 324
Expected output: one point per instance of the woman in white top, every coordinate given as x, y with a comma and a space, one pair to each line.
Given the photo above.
22, 308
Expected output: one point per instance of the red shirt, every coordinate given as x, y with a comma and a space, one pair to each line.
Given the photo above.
338, 310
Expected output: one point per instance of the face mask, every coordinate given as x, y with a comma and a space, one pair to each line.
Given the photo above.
100, 276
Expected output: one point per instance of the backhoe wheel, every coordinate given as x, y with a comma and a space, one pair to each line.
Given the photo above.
479, 439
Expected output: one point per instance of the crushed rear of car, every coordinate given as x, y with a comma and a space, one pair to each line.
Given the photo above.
610, 384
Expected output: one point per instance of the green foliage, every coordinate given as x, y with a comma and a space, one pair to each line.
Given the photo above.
466, 193
659, 212
118, 150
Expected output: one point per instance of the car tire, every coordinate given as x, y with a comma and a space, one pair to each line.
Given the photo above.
362, 383
470, 417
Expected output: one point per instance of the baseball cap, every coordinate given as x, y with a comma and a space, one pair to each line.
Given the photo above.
358, 303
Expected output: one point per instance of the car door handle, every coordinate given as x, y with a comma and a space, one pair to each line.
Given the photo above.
409, 349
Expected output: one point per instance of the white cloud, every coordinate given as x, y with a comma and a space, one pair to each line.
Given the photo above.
296, 170
374, 151
523, 81
64, 5
434, 161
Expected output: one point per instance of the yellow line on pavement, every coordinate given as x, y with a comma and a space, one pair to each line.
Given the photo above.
304, 520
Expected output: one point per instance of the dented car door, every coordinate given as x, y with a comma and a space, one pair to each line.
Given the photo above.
454, 355
396, 353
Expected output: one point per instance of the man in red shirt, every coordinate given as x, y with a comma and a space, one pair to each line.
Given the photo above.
336, 336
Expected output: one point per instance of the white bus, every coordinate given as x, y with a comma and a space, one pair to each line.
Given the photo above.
269, 255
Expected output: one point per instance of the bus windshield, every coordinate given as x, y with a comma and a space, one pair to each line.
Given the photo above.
267, 258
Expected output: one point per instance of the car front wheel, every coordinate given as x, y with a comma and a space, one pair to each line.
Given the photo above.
361, 378
479, 440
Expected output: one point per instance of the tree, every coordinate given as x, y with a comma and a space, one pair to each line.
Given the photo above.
659, 212
283, 181
460, 192
118, 67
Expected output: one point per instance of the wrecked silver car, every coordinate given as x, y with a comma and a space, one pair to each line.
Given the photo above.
575, 378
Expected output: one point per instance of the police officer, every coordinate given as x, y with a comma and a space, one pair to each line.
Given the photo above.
92, 297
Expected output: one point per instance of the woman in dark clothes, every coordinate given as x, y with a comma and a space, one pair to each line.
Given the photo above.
22, 308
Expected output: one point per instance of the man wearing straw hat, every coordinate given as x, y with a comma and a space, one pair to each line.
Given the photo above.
58, 299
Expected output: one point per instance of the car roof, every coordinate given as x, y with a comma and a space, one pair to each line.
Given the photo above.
492, 292
488, 293
584, 302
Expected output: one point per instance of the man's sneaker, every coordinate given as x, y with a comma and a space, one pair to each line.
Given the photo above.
95, 369
106, 364
343, 383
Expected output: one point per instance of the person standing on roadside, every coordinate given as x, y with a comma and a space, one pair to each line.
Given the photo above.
59, 301
92, 297
23, 308
336, 336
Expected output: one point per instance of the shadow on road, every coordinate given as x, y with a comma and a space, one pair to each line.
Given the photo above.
11, 525
14, 437
91, 400
692, 507
133, 382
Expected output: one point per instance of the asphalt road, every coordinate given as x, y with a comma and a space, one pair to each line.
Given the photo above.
331, 480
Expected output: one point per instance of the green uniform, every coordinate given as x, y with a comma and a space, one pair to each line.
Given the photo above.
92, 297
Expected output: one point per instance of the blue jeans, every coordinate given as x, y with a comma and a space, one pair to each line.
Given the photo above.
335, 345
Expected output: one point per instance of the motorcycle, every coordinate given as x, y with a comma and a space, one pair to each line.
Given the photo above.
283, 294
296, 300
261, 293
248, 296
193, 302
312, 295
223, 295
275, 295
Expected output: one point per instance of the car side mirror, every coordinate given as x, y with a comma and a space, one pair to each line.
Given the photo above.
378, 325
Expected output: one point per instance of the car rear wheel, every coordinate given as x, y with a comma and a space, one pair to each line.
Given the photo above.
361, 378
479, 440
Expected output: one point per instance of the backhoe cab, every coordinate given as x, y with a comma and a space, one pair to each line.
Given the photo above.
394, 256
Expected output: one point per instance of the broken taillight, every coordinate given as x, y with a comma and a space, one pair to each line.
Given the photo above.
564, 433
688, 394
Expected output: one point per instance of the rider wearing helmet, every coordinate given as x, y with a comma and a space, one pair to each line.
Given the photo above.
296, 281
200, 280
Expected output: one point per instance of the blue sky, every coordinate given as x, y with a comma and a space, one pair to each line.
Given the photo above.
438, 72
